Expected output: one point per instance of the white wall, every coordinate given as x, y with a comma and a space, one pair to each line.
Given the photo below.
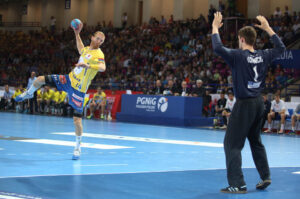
34, 11
295, 5
253, 8
167, 8
178, 9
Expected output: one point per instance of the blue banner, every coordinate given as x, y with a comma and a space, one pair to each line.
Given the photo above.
167, 110
289, 59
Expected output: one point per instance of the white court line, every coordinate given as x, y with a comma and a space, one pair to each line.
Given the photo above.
297, 172
100, 165
142, 139
1, 149
12, 197
69, 143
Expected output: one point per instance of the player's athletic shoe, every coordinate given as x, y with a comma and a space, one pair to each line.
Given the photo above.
263, 184
230, 189
223, 127
23, 97
268, 131
90, 116
76, 154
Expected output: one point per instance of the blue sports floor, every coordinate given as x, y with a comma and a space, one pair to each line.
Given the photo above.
130, 161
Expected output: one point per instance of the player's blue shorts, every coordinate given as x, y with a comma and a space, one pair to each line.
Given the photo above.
63, 83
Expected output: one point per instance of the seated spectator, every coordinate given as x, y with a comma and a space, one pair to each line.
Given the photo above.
281, 78
40, 99
267, 107
277, 112
198, 91
184, 90
48, 100
20, 105
58, 100
295, 117
228, 108
220, 107
158, 89
7, 101
296, 27
207, 104
98, 101
170, 89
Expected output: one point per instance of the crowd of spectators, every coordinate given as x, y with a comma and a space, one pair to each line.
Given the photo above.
175, 56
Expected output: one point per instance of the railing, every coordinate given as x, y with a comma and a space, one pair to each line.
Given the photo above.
292, 91
146, 87
20, 24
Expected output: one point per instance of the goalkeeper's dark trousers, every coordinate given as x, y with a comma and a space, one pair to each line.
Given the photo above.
245, 122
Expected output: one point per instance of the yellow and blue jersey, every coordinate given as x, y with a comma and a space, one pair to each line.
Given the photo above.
62, 97
55, 96
81, 77
17, 93
99, 97
49, 95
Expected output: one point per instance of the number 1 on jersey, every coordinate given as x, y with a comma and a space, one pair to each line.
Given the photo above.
256, 74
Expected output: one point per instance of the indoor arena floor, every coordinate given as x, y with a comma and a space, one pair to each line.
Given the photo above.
131, 161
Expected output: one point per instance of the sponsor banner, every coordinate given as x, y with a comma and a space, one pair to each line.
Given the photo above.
165, 106
289, 59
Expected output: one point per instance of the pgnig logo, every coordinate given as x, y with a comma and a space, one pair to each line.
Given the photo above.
162, 104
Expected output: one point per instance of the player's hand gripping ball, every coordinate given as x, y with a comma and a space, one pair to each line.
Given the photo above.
75, 23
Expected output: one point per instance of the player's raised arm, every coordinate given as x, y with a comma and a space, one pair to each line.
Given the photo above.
279, 45
217, 44
79, 43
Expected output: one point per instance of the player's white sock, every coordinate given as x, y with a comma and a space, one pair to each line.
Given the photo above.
281, 126
31, 90
78, 142
269, 126
293, 128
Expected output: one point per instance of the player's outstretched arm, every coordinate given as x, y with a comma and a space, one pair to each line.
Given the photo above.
79, 43
217, 23
264, 25
279, 46
217, 44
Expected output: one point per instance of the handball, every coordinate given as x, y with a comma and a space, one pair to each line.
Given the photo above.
75, 23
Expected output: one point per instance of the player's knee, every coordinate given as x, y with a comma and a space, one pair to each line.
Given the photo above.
283, 116
40, 79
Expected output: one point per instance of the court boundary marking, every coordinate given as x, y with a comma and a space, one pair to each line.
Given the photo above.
138, 172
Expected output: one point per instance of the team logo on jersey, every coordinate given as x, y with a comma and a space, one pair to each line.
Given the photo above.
88, 56
77, 70
62, 79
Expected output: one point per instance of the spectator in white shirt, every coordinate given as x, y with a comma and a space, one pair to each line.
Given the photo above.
277, 112
228, 108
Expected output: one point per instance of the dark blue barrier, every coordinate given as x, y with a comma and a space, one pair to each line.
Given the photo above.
163, 110
289, 59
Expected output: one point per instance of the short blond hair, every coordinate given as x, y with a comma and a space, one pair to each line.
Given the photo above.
99, 32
